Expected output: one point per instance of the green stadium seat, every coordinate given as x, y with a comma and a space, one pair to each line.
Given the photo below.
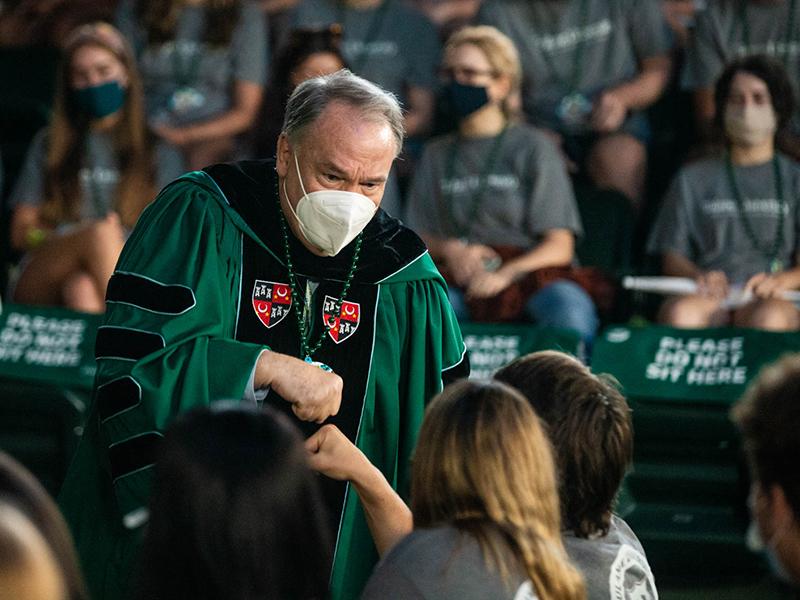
685, 496
493, 345
46, 371
40, 426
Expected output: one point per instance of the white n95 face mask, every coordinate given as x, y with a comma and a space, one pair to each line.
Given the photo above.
330, 219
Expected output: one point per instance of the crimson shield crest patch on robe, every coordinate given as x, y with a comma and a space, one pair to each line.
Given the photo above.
272, 301
343, 325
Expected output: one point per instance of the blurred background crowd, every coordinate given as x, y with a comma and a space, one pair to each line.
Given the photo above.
552, 144
553, 147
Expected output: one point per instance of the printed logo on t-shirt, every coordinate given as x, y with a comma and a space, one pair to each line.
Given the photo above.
630, 577
470, 183
343, 325
99, 176
570, 38
776, 48
378, 48
756, 207
525, 592
272, 301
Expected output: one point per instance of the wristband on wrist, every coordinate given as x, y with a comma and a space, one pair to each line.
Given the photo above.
34, 237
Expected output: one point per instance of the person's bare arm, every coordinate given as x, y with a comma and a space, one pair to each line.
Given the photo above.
713, 284
247, 100
462, 259
388, 517
772, 285
25, 219
677, 265
556, 248
612, 106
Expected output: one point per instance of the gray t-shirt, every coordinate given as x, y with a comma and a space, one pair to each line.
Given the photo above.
720, 36
613, 37
442, 564
99, 174
189, 80
526, 194
392, 45
614, 566
699, 218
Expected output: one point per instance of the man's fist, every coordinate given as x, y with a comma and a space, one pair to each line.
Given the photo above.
314, 394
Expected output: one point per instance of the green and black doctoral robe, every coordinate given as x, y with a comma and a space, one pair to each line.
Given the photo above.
200, 290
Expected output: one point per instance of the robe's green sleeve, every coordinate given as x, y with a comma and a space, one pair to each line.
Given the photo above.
166, 346
417, 345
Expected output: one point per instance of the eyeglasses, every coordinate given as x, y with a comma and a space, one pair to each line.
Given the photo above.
466, 73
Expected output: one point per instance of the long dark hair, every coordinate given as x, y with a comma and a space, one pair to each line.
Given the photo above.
20, 488
235, 511
302, 44
772, 73
69, 128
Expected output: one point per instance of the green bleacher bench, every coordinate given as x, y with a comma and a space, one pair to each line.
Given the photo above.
685, 497
608, 226
493, 345
46, 373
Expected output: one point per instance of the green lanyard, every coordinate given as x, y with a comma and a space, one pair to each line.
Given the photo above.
373, 30
185, 69
774, 265
483, 181
94, 186
745, 25
304, 317
574, 78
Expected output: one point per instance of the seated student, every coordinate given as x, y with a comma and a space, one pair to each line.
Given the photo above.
729, 29
235, 511
497, 183
388, 43
204, 65
86, 177
483, 499
308, 53
734, 218
28, 568
768, 417
589, 425
590, 68
20, 489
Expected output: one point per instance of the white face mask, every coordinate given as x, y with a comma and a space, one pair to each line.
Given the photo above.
330, 219
750, 126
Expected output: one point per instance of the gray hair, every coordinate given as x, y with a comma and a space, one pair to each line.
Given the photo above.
311, 97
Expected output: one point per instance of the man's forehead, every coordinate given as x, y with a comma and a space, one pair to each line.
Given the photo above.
341, 136
342, 119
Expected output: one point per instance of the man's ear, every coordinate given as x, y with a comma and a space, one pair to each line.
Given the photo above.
283, 155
